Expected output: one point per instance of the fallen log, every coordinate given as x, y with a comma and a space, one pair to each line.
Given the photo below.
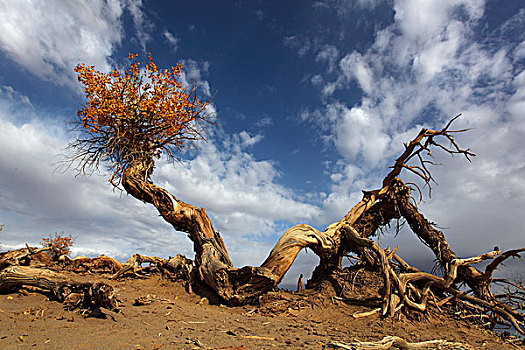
390, 342
73, 293
22, 257
101, 264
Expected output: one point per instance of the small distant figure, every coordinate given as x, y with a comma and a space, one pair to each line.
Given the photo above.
300, 284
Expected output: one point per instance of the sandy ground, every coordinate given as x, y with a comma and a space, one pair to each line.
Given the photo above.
174, 319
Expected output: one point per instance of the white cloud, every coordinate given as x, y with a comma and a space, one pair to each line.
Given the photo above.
263, 122
359, 132
425, 68
240, 194
413, 68
516, 104
48, 38
172, 40
141, 22
354, 66
247, 140
421, 21
329, 54
439, 53
194, 74
344, 7
12, 96
299, 43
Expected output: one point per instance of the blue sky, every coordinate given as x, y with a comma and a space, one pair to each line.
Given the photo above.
313, 99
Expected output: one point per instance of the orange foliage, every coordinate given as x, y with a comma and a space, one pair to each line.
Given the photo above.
137, 113
60, 243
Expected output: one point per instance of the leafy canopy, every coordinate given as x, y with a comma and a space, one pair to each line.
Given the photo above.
135, 115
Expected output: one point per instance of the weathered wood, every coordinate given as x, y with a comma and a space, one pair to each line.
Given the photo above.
176, 268
291, 243
19, 257
75, 294
101, 264
390, 342
212, 262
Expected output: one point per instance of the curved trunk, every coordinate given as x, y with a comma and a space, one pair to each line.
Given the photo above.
378, 207
366, 224
212, 262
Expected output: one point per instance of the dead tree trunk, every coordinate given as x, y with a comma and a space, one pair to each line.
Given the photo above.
74, 294
23, 257
236, 286
377, 208
433, 238
212, 262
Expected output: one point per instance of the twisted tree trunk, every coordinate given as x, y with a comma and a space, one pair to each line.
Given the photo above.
377, 208
213, 264
236, 286
241, 285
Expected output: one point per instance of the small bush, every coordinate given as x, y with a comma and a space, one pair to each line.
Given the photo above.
60, 244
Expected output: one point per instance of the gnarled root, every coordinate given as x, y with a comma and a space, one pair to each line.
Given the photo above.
407, 286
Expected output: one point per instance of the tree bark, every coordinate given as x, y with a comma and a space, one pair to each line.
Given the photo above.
236, 286
74, 294
436, 241
212, 262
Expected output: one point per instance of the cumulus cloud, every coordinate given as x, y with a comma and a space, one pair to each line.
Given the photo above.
421, 21
354, 66
417, 66
241, 195
423, 69
359, 133
48, 38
